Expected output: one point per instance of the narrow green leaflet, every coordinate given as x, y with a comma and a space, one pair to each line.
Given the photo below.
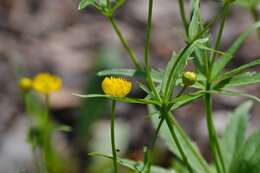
84, 3
121, 99
219, 65
247, 159
156, 75
133, 165
248, 78
185, 99
239, 94
234, 134
238, 70
194, 157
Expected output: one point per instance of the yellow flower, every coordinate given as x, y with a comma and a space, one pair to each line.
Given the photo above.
25, 84
189, 78
46, 83
117, 87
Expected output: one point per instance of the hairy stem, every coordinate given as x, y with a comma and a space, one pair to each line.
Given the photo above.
113, 136
125, 44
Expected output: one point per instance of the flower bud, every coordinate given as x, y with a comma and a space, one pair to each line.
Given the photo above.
189, 78
25, 84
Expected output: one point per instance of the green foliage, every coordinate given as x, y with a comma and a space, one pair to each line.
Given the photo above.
133, 165
234, 134
190, 149
219, 65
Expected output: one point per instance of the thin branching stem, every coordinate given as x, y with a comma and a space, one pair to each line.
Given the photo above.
219, 35
183, 17
147, 50
113, 136
211, 131
176, 140
188, 142
125, 44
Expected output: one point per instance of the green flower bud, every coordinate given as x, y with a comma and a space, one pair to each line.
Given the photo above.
189, 78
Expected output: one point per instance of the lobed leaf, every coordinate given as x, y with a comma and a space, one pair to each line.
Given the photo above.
84, 3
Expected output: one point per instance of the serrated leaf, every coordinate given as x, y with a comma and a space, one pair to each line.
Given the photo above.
133, 165
234, 134
248, 78
194, 157
219, 65
121, 99
84, 3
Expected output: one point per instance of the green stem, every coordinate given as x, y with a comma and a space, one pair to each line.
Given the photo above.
125, 44
113, 136
147, 49
255, 17
167, 93
220, 33
151, 154
188, 142
176, 140
183, 17
211, 130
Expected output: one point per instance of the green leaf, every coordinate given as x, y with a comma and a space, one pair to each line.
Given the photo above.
238, 70
219, 65
156, 75
84, 3
63, 128
133, 165
248, 78
194, 157
121, 99
185, 99
239, 94
234, 134
247, 159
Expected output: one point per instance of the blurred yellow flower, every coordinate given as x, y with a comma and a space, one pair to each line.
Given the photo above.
117, 87
25, 84
46, 83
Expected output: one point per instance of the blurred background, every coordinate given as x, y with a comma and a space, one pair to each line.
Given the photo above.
52, 35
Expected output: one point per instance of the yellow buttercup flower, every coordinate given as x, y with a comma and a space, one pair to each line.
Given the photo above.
25, 84
117, 87
46, 83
